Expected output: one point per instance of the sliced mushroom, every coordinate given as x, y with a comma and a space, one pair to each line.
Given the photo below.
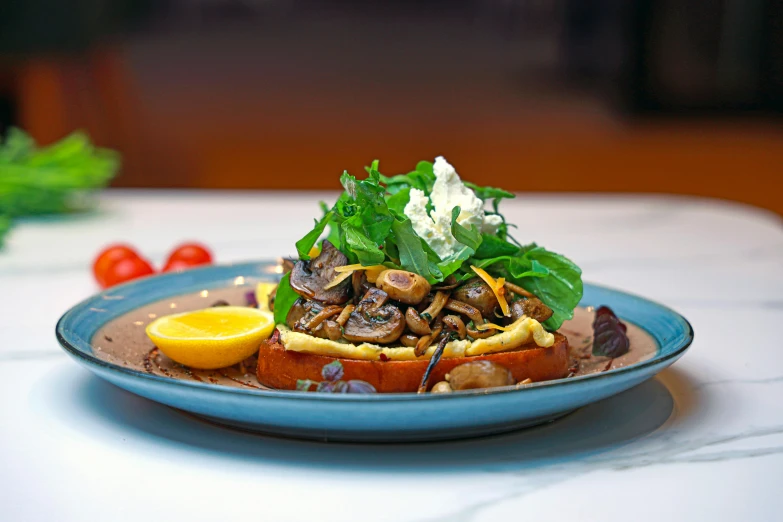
359, 284
298, 310
479, 374
437, 304
449, 283
403, 286
426, 340
511, 287
322, 316
374, 321
455, 324
332, 330
531, 307
481, 334
465, 309
409, 340
441, 387
309, 278
303, 313
345, 314
477, 294
416, 323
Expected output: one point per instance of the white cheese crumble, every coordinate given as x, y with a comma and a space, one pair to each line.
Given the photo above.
447, 193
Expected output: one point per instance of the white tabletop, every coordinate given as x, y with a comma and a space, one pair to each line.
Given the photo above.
703, 441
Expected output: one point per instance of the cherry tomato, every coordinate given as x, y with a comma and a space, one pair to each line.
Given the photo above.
187, 255
177, 265
125, 270
108, 257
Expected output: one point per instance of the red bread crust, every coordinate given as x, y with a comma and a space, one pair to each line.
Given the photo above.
280, 369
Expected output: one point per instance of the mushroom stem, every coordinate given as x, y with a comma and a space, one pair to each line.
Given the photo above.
435, 306
321, 316
427, 340
345, 314
511, 287
465, 309
433, 362
455, 324
409, 340
481, 334
415, 322
333, 330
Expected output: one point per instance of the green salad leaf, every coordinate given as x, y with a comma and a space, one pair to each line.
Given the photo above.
53, 179
284, 299
368, 224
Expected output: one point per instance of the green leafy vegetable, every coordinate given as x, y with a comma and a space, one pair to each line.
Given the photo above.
304, 245
53, 179
470, 237
368, 223
492, 246
411, 251
486, 193
284, 299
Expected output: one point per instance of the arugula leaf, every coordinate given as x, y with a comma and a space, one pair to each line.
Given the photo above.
412, 255
561, 289
365, 250
486, 193
492, 246
422, 178
284, 299
397, 201
304, 245
470, 237
369, 223
453, 263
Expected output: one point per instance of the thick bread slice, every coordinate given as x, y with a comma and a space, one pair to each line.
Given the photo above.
278, 368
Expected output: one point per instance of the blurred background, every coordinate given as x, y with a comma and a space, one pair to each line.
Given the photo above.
673, 96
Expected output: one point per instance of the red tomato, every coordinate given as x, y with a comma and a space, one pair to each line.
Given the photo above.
187, 255
176, 265
125, 270
108, 257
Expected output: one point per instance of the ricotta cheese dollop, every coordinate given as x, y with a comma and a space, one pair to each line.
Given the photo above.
447, 192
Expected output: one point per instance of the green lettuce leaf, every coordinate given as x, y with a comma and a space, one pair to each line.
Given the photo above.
492, 246
304, 245
284, 299
412, 255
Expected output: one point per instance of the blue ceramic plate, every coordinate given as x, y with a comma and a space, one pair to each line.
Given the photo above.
381, 417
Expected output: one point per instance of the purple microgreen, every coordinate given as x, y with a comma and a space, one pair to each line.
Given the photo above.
332, 371
326, 387
357, 386
609, 334
304, 384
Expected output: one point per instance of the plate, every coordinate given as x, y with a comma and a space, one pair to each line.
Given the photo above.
91, 331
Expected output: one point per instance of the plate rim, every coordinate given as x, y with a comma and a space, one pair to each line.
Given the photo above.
91, 360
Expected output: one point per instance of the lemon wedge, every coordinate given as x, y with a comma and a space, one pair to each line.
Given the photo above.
263, 290
212, 338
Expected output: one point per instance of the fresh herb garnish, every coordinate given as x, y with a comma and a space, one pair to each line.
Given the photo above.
609, 334
51, 179
332, 375
368, 224
284, 299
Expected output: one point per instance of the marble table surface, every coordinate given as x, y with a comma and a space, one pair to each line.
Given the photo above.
702, 441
